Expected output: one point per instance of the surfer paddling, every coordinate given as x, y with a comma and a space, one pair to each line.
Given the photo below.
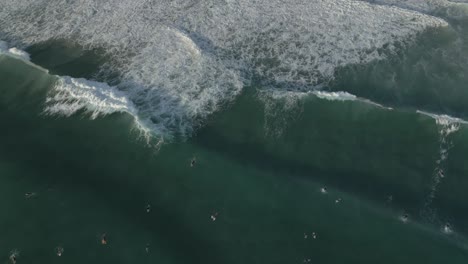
13, 257
404, 218
214, 216
59, 251
29, 195
104, 239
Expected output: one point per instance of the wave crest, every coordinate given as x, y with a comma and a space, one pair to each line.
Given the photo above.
179, 61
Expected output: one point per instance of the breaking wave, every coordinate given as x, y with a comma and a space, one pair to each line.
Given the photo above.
179, 61
13, 52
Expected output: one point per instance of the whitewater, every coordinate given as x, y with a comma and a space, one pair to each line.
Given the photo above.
173, 64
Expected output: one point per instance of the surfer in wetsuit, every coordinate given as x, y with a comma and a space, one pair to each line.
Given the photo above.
29, 195
104, 239
13, 258
447, 228
405, 216
59, 251
193, 162
147, 248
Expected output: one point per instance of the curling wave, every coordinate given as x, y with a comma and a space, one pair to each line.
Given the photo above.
179, 61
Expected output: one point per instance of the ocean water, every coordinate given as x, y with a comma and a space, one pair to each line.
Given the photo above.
323, 131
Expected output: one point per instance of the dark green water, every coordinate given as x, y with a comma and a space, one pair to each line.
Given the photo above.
96, 176
255, 194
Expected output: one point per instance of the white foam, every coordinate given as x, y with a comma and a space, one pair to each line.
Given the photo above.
335, 96
280, 108
13, 52
447, 126
345, 96
179, 61
444, 120
19, 53
293, 97
426, 6
447, 229
404, 218
71, 95
450, 8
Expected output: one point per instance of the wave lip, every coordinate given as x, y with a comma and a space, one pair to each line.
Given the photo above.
335, 96
180, 61
13, 52
454, 9
443, 120
70, 95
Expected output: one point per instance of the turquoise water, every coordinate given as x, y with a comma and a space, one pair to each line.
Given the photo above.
283, 174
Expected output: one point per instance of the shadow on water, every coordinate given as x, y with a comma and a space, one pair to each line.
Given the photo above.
82, 156
250, 145
106, 181
119, 160
60, 151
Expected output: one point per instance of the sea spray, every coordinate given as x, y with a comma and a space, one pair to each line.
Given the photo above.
447, 126
178, 62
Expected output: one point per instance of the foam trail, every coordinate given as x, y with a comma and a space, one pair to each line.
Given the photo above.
453, 9
345, 96
335, 96
180, 61
427, 6
280, 107
443, 120
447, 126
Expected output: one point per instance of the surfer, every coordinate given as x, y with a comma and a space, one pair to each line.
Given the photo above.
147, 248
389, 198
148, 208
193, 162
447, 228
213, 216
441, 174
404, 218
59, 251
13, 257
29, 195
104, 239
323, 190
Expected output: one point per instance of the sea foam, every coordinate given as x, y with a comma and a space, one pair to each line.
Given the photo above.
179, 61
13, 52
454, 9
71, 95
335, 96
